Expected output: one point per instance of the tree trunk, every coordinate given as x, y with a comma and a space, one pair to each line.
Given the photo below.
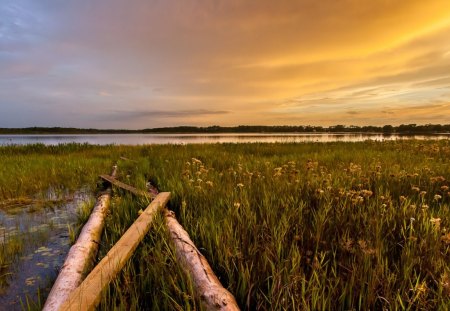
82, 254
88, 294
212, 294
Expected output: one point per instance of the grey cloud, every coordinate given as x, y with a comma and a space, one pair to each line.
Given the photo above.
154, 114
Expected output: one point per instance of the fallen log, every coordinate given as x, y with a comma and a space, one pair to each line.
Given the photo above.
122, 185
207, 286
81, 255
88, 294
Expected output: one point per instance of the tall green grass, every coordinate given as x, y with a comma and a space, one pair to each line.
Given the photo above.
315, 226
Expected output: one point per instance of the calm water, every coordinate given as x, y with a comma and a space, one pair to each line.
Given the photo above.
141, 139
44, 231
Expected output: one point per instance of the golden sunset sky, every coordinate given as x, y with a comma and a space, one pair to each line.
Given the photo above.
151, 63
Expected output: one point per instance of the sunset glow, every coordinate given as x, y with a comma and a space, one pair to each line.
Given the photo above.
140, 64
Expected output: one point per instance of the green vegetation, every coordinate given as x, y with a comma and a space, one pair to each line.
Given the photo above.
317, 226
387, 129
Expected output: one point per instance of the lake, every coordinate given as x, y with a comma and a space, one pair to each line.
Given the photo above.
142, 139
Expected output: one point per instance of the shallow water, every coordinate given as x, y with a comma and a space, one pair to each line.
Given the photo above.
46, 244
141, 139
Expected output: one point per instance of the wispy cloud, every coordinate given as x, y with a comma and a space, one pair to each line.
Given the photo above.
221, 62
157, 114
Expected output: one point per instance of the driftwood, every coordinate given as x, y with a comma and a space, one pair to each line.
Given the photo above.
88, 294
207, 286
81, 255
122, 185
126, 159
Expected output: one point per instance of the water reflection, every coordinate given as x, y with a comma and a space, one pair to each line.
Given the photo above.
142, 139
43, 233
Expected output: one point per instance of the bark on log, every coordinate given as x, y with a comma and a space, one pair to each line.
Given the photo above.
207, 286
81, 255
88, 294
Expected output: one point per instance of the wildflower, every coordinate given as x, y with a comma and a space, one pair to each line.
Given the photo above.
436, 222
237, 204
437, 197
240, 185
196, 161
186, 173
445, 283
402, 199
366, 193
440, 178
320, 191
444, 188
422, 193
199, 181
425, 206
446, 239
365, 248
414, 188
421, 289
359, 199
210, 183
347, 244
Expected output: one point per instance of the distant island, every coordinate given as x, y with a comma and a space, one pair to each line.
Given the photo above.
387, 129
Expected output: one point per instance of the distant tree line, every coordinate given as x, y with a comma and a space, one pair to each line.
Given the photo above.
387, 129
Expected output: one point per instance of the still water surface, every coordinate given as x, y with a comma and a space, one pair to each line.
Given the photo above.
142, 139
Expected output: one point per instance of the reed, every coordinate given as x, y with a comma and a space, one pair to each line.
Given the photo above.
314, 226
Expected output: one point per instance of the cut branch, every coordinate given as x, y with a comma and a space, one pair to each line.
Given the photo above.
207, 286
124, 186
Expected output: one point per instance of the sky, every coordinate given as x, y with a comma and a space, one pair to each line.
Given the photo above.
154, 63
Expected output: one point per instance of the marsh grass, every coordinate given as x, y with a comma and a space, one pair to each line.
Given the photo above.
310, 226
315, 226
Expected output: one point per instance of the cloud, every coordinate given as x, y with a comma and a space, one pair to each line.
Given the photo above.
257, 61
156, 114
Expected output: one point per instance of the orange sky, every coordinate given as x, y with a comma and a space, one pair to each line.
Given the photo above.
136, 64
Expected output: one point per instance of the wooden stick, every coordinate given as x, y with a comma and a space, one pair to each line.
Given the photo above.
81, 255
122, 185
88, 294
212, 294
126, 159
